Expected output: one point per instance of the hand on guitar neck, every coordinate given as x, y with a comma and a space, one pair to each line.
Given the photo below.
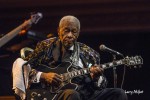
96, 71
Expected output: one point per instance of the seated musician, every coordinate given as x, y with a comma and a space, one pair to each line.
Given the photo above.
57, 66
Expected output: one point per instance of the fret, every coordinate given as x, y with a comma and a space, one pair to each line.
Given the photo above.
103, 66
82, 72
85, 71
88, 71
75, 73
115, 63
65, 76
79, 72
119, 62
69, 75
72, 75
110, 64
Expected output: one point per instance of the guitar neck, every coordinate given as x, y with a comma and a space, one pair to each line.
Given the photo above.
112, 64
13, 33
70, 75
85, 71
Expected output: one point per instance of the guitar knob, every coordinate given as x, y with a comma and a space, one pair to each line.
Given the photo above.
39, 95
44, 98
32, 99
33, 94
135, 66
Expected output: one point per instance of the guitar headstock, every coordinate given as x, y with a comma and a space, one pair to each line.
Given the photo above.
133, 61
36, 17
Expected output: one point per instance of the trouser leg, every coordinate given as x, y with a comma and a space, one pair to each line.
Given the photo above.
109, 94
68, 95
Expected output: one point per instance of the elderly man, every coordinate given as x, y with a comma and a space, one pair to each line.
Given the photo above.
58, 63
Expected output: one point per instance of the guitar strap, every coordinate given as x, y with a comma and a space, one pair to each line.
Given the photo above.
83, 60
60, 52
75, 54
50, 54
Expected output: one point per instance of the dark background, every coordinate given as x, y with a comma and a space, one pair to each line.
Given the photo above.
123, 25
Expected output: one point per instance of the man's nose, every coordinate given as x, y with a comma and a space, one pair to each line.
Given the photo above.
70, 33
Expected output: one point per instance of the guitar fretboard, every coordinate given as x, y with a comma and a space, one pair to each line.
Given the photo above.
137, 60
112, 64
75, 73
84, 71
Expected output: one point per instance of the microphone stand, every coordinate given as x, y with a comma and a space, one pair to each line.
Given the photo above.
114, 72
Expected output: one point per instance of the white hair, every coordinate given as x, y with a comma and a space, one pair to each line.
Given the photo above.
71, 19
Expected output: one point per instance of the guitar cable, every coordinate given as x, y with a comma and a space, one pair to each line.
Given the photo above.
124, 72
123, 77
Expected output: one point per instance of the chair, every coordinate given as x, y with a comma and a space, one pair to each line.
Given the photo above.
24, 52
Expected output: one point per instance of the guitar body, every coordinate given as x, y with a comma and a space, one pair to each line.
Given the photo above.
39, 91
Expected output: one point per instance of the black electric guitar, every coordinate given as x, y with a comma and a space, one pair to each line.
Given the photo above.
50, 92
34, 19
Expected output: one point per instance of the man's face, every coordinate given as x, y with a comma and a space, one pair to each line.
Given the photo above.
68, 33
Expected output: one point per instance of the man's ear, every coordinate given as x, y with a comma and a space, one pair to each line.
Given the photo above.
78, 34
58, 31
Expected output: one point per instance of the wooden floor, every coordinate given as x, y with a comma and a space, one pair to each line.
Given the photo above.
7, 98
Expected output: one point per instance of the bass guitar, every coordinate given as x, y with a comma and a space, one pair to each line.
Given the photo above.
34, 19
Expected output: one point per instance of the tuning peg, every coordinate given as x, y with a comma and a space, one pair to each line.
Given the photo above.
135, 66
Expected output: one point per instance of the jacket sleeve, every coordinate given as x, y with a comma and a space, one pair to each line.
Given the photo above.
34, 75
35, 58
93, 57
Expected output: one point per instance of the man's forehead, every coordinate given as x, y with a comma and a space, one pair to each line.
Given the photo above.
69, 25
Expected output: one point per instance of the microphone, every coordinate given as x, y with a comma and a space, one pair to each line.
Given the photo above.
104, 48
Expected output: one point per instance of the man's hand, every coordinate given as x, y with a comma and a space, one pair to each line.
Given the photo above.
96, 71
51, 78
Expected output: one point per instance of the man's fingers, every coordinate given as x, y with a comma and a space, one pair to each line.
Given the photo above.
53, 78
99, 69
96, 70
58, 77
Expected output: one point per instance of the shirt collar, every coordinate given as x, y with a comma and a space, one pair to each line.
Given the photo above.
71, 48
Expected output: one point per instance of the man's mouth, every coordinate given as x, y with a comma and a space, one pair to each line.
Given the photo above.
68, 42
